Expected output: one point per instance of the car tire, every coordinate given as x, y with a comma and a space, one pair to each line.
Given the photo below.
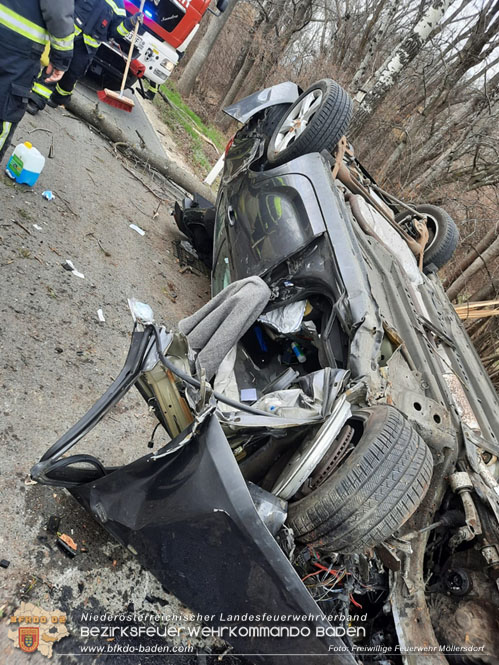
376, 489
444, 235
322, 129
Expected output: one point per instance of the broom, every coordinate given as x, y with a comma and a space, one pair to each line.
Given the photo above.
117, 99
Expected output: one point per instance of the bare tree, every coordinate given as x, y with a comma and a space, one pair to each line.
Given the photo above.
386, 77
193, 68
491, 253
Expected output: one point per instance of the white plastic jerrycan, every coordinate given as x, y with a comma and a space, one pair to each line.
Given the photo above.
26, 164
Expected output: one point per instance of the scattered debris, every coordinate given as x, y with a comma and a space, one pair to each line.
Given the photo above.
156, 600
67, 539
53, 524
48, 195
188, 269
4, 563
39, 129
38, 228
248, 395
100, 316
22, 226
138, 229
156, 212
170, 293
66, 204
67, 545
186, 245
69, 266
104, 251
149, 189
188, 258
27, 586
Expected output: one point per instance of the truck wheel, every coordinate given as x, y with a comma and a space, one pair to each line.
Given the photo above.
316, 121
443, 234
373, 492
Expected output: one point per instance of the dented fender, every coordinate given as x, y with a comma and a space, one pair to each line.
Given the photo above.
190, 520
244, 109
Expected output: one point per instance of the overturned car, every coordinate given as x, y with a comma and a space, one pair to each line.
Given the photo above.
333, 431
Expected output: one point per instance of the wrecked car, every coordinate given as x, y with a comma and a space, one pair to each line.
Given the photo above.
334, 435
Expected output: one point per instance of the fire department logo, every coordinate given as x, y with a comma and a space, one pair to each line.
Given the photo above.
29, 639
33, 628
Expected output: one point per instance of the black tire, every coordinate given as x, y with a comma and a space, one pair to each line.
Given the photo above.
272, 117
443, 235
378, 487
324, 129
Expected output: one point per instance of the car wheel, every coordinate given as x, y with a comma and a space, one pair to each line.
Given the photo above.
316, 121
443, 234
271, 118
264, 122
373, 492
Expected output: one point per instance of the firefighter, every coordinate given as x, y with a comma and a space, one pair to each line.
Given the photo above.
96, 21
26, 26
150, 89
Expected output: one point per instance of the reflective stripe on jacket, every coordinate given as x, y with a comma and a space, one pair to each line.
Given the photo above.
99, 20
28, 25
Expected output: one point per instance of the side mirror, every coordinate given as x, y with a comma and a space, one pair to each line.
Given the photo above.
222, 5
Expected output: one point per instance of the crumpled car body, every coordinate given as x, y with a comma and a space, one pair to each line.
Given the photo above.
352, 326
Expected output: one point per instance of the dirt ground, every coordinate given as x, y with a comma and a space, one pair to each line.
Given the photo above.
57, 359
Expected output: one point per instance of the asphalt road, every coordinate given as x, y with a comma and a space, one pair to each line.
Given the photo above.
57, 359
135, 123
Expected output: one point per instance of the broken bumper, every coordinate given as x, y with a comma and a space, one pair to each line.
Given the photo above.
190, 520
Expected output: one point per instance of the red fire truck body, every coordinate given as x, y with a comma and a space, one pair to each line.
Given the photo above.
168, 28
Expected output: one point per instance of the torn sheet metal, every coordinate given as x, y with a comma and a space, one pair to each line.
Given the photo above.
310, 403
204, 539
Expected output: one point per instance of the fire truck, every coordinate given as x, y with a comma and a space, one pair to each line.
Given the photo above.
167, 30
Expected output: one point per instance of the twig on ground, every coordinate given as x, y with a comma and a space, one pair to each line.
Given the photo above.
149, 189
66, 203
141, 211
40, 129
22, 226
142, 142
90, 171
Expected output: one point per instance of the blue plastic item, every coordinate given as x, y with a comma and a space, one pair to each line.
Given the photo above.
25, 165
